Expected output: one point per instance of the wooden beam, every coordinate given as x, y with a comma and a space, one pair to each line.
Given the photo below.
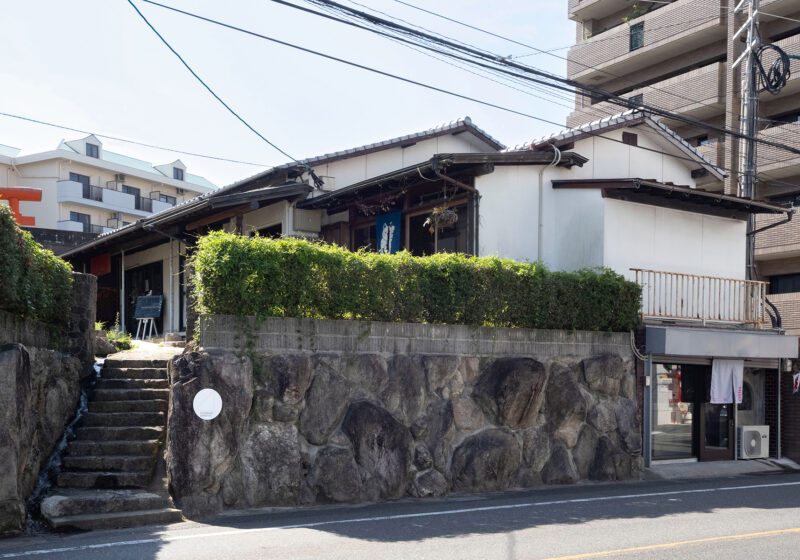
197, 224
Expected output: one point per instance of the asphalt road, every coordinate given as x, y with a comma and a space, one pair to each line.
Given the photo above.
744, 517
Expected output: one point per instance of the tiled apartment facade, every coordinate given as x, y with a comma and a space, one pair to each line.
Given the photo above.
677, 55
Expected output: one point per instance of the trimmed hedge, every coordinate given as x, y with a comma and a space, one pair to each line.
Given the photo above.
33, 281
235, 275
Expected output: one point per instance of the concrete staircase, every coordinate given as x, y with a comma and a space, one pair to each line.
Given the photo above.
110, 473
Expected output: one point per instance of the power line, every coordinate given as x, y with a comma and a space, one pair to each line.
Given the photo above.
588, 91
205, 85
409, 80
128, 141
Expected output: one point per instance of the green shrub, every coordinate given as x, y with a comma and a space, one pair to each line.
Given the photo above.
33, 281
235, 275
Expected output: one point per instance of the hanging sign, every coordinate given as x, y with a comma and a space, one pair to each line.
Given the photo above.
795, 383
207, 404
388, 232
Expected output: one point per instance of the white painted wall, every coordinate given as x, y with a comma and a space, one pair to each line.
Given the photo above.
643, 236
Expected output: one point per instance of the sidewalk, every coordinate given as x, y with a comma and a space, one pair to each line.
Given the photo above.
714, 469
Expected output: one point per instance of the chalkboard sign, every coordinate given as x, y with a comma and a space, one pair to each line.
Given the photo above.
148, 307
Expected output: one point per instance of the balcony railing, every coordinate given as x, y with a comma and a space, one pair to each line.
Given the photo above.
90, 192
143, 203
704, 299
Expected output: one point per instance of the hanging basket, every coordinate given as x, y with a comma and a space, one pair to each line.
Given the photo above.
440, 217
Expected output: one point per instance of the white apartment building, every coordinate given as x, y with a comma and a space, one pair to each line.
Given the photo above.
86, 188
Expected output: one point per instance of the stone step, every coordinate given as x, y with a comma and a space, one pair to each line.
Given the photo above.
147, 447
113, 419
118, 520
130, 394
156, 405
103, 479
133, 373
120, 433
138, 363
131, 384
109, 463
69, 502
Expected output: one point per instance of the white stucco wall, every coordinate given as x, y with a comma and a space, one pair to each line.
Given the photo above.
643, 236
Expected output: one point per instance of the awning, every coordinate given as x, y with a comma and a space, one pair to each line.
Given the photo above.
719, 343
674, 196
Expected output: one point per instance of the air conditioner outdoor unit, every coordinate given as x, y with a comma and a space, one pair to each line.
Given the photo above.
180, 190
119, 177
754, 442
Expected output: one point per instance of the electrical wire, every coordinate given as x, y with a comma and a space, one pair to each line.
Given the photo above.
414, 82
128, 141
205, 85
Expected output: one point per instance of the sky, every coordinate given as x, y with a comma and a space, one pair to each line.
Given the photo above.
94, 65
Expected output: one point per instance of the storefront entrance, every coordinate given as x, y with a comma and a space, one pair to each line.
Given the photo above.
685, 424
142, 281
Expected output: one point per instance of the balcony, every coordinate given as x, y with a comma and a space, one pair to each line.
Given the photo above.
777, 163
582, 10
779, 242
676, 297
697, 93
99, 197
681, 27
71, 225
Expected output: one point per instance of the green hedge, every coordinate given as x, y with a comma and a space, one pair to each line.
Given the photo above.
235, 275
33, 281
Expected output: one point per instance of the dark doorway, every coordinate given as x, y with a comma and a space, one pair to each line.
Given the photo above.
108, 295
141, 281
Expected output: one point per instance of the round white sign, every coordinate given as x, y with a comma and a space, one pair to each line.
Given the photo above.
207, 404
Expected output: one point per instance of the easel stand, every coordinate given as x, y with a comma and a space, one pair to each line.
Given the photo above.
146, 327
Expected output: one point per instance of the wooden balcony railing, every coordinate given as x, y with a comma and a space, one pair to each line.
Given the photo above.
705, 299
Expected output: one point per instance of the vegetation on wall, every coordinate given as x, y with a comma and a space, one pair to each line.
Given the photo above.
33, 281
286, 277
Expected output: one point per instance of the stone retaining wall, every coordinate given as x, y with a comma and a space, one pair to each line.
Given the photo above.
40, 371
317, 419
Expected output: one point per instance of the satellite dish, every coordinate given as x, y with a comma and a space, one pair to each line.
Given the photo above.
207, 404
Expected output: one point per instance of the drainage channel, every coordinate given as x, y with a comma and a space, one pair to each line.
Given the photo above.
48, 474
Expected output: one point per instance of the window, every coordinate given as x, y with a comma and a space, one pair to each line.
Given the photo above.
784, 284
168, 199
701, 140
84, 219
630, 139
78, 178
450, 239
177, 173
637, 36
132, 190
364, 238
92, 150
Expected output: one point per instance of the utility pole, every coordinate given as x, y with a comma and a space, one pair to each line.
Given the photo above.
749, 116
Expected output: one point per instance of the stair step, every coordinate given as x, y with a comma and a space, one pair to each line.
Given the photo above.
132, 384
117, 520
120, 433
133, 373
137, 363
155, 405
109, 463
69, 502
103, 479
129, 394
147, 447
124, 419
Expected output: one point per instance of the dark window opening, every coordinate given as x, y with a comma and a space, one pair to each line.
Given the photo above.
92, 150
364, 238
637, 36
702, 140
784, 284
84, 219
747, 397
637, 99
423, 240
78, 178
272, 232
177, 173
630, 138
168, 199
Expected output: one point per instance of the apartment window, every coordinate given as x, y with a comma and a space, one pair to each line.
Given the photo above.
703, 140
132, 190
637, 99
84, 219
630, 139
637, 36
92, 150
78, 178
177, 173
168, 199
784, 284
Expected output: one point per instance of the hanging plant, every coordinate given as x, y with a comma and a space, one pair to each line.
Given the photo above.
440, 218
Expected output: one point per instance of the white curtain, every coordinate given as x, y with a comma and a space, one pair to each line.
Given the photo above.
726, 381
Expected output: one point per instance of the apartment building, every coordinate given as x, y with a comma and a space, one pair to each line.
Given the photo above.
88, 190
677, 55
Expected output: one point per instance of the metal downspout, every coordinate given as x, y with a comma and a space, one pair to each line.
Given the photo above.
539, 237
